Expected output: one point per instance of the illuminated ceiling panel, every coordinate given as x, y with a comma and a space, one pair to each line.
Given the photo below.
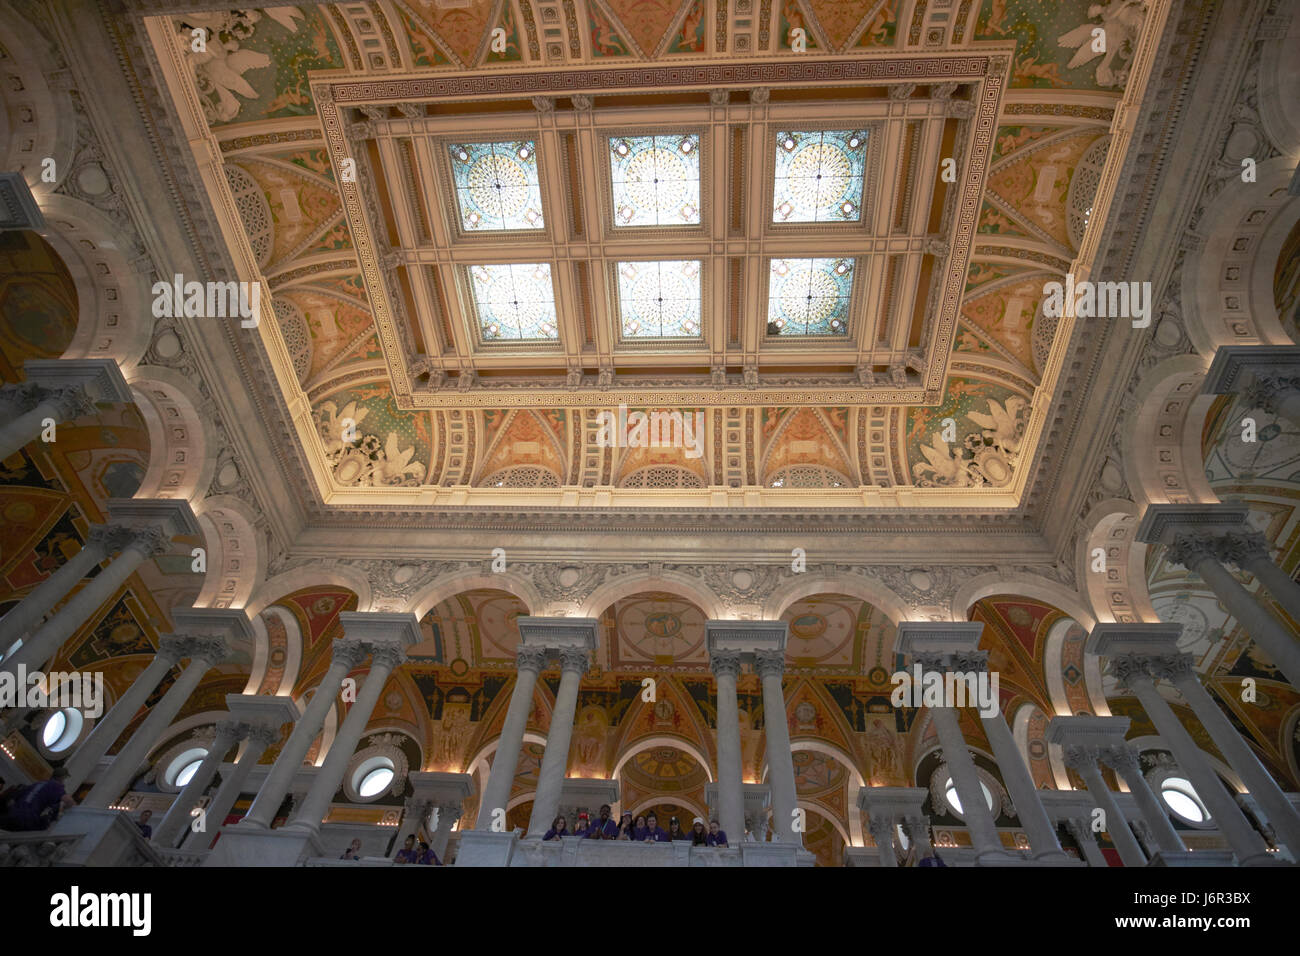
660, 300
809, 296
656, 180
496, 186
819, 176
514, 301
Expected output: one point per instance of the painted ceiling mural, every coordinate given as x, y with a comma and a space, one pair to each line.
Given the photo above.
254, 82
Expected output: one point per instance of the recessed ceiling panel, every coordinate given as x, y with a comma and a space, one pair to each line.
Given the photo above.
819, 175
514, 301
497, 188
656, 180
809, 297
660, 300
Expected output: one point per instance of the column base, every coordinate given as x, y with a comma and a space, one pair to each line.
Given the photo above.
108, 838
486, 848
1188, 858
249, 846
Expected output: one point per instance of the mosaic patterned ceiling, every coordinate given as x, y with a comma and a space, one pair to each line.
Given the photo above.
483, 225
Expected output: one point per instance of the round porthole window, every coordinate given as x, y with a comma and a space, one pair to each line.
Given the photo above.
61, 730
1181, 797
954, 801
183, 766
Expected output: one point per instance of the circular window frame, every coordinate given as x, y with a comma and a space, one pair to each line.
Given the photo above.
940, 778
180, 758
382, 752
1158, 778
72, 715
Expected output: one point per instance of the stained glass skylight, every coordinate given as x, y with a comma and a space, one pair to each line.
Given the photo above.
660, 299
514, 301
809, 297
496, 186
819, 176
656, 180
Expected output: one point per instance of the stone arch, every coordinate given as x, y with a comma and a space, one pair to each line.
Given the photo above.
479, 763
262, 651
1023, 585
871, 590
38, 119
1279, 77
112, 296
180, 462
236, 555
445, 588
1120, 593
641, 744
311, 575
1227, 288
674, 582
825, 814
855, 783
1160, 443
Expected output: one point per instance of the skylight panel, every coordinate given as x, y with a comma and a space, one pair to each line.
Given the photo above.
660, 300
514, 302
819, 176
656, 180
496, 186
809, 297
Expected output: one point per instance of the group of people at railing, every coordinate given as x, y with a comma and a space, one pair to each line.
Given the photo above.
639, 829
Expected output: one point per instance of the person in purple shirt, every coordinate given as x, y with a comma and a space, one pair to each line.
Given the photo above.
699, 836
675, 831
604, 828
37, 805
640, 833
427, 856
559, 828
654, 832
625, 828
407, 853
717, 836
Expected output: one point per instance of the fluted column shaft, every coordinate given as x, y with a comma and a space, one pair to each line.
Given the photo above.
975, 810
1125, 763
1084, 761
496, 792
1275, 581
110, 726
780, 761
60, 404
731, 798
1198, 554
232, 785
53, 589
228, 732
448, 814
1281, 814
347, 656
384, 659
1232, 823
555, 759
205, 652
53, 633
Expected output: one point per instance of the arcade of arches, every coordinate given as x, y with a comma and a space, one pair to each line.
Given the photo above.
367, 566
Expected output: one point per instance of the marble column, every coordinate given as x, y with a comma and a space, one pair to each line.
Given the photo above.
1124, 761
770, 665
975, 809
1015, 774
1281, 814
228, 733
574, 662
435, 802
731, 814
347, 654
414, 811
1081, 829
529, 662
385, 657
45, 643
260, 737
1248, 550
448, 814
103, 540
204, 652
917, 829
1266, 376
1134, 673
1083, 760
58, 389
171, 648
882, 832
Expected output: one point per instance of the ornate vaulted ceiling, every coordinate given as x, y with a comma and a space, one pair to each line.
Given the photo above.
389, 168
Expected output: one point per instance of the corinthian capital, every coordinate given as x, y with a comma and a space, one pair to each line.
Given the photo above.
575, 659
881, 830
112, 537
149, 541
70, 401
770, 663
1190, 549
528, 658
1171, 667
348, 652
1122, 758
725, 662
261, 736
1266, 391
22, 397
386, 656
1079, 757
1240, 547
970, 662
173, 648
208, 649
1128, 669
